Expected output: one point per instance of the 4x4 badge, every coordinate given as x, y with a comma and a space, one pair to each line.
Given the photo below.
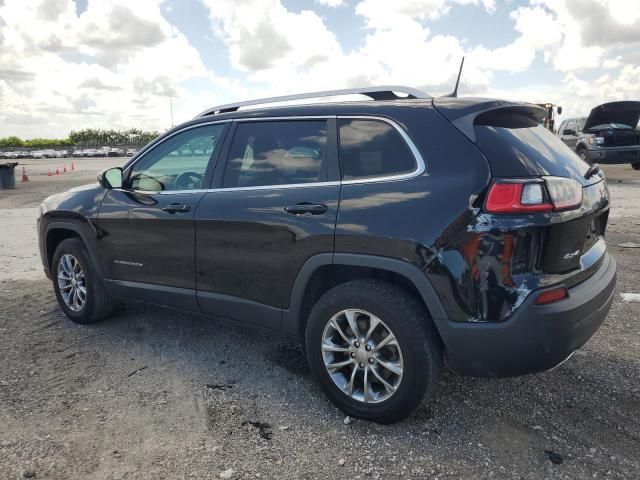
569, 255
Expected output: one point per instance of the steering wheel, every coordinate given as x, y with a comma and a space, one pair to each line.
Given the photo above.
187, 181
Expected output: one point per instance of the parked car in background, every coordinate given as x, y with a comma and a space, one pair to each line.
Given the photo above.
77, 153
131, 152
385, 235
610, 134
116, 152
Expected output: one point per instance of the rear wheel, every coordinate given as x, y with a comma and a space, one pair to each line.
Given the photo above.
373, 349
80, 291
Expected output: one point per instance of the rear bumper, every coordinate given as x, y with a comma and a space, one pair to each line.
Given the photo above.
615, 154
535, 338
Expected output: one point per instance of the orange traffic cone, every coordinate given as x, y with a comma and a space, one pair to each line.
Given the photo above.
57, 170
49, 174
24, 175
65, 169
72, 168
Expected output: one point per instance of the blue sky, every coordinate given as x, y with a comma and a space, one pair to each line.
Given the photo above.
67, 64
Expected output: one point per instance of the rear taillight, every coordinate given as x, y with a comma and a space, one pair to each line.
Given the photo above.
518, 197
522, 196
565, 193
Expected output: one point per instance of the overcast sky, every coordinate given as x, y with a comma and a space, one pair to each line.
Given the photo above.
68, 64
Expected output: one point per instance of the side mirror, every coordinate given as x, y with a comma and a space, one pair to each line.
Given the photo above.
568, 132
111, 178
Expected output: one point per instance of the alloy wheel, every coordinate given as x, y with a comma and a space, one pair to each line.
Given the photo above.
362, 356
71, 282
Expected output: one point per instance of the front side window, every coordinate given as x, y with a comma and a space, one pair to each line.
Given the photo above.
178, 163
373, 148
277, 153
563, 125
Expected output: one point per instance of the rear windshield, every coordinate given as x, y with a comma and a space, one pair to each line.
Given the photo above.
526, 151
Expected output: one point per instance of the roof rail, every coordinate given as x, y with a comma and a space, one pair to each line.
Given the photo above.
386, 92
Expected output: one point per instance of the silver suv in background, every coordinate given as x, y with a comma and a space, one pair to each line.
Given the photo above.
609, 134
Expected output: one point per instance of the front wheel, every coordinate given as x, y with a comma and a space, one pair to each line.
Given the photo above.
79, 288
373, 349
582, 153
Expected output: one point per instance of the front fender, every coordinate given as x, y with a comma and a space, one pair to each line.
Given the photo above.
80, 227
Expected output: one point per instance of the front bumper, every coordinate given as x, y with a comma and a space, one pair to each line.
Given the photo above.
611, 155
537, 337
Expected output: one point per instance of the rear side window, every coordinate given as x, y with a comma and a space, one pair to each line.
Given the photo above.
277, 153
372, 148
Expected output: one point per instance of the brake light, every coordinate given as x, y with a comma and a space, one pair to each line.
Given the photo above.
516, 198
521, 196
551, 296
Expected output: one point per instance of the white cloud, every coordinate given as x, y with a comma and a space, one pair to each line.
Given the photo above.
104, 68
116, 63
331, 3
263, 34
394, 14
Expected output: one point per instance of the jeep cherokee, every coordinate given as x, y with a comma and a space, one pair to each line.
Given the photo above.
385, 235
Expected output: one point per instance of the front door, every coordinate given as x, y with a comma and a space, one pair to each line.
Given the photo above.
570, 134
147, 232
274, 206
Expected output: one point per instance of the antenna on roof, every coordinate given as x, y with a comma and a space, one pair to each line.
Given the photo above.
454, 94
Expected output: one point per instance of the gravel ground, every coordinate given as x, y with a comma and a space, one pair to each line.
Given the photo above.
156, 393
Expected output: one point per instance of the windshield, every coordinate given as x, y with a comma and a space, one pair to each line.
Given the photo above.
581, 122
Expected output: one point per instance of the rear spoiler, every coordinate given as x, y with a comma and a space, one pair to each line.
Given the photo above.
465, 113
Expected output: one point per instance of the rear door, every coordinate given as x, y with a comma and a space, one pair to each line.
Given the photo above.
273, 206
147, 233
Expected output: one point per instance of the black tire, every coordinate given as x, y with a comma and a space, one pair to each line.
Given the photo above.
99, 303
635, 166
582, 153
417, 337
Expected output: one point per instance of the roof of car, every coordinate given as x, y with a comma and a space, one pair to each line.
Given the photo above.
364, 107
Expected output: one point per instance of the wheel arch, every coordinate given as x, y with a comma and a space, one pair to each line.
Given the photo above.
324, 271
57, 231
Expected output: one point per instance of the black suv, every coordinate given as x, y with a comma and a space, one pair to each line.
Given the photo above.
609, 134
386, 235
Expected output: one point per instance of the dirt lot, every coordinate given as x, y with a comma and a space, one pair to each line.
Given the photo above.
155, 393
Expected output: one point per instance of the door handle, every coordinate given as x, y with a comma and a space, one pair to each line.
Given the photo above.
302, 208
176, 208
